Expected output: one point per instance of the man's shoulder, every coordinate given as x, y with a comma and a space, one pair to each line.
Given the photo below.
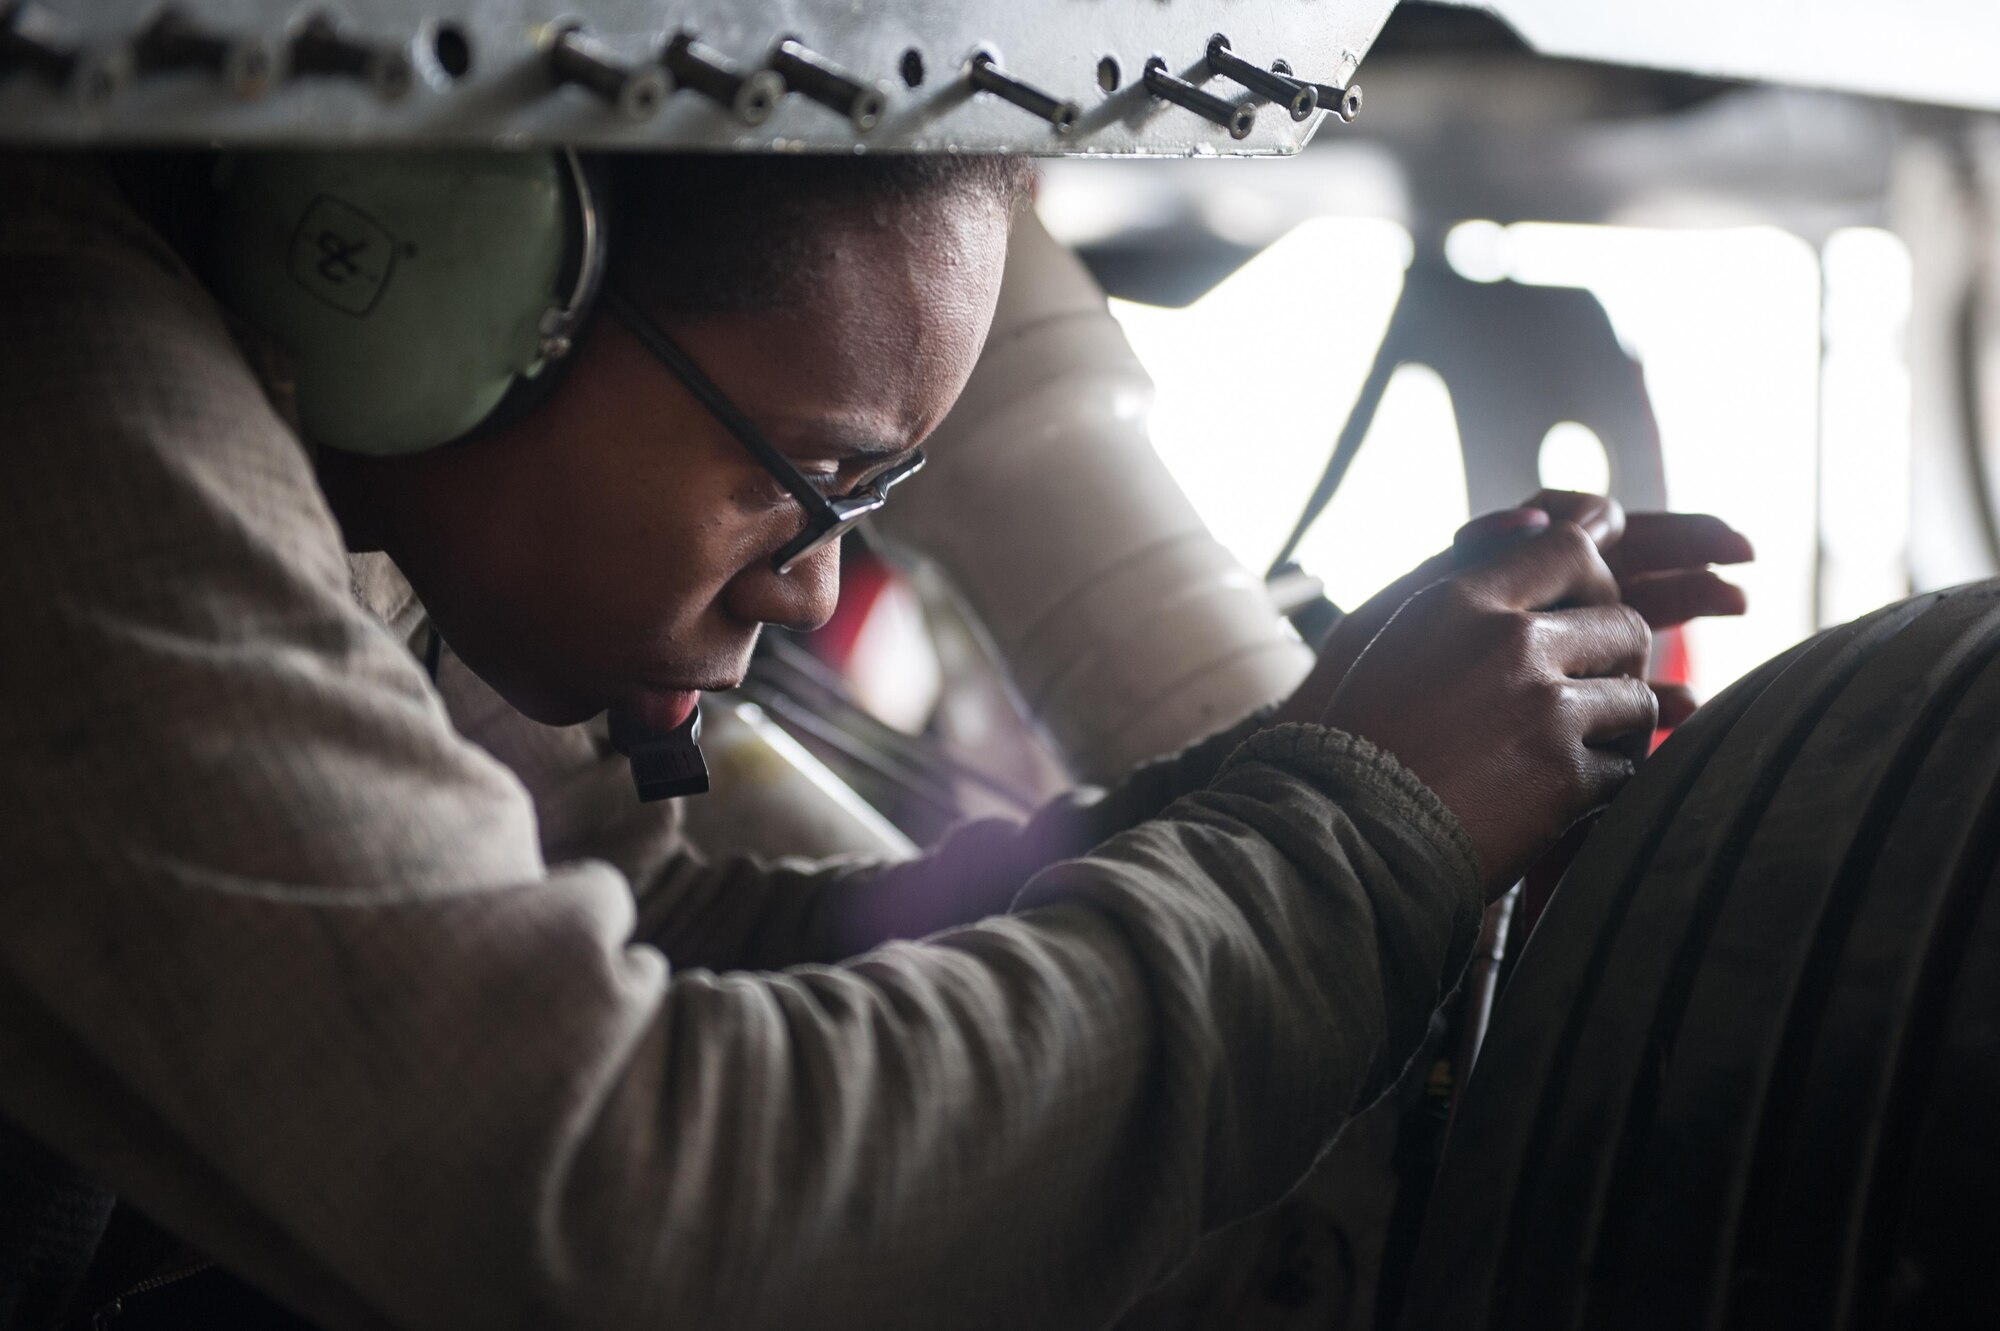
70, 204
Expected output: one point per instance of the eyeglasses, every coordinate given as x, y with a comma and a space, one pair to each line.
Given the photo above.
828, 518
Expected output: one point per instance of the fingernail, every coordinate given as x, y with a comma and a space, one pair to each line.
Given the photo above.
1483, 537
1503, 523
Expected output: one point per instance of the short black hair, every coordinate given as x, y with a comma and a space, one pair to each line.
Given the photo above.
742, 232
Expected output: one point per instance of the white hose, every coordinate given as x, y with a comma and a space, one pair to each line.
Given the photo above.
1128, 629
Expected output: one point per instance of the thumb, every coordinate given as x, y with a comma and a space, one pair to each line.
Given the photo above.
1485, 536
1601, 517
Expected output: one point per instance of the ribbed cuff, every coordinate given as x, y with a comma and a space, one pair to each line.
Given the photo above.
1340, 761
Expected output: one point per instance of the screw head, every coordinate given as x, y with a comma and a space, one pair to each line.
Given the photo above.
867, 110
101, 75
642, 94
758, 97
248, 68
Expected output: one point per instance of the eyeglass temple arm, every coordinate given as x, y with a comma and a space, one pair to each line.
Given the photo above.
668, 352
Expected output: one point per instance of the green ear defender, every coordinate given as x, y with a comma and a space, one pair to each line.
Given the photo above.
419, 294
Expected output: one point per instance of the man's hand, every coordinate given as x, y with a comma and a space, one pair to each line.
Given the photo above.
1660, 561
1506, 675
1511, 712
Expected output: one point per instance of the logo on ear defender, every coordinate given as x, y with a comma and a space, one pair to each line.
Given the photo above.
342, 256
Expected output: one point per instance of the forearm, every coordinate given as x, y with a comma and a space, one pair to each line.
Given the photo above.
480, 1107
743, 913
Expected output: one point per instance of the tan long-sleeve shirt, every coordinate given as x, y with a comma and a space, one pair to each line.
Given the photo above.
405, 1012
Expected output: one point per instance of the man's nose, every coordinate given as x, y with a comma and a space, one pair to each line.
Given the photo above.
800, 600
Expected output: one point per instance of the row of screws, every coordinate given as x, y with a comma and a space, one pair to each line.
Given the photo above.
1299, 97
751, 95
635, 91
34, 38
31, 37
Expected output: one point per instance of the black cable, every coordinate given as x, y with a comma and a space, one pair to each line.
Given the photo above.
1346, 447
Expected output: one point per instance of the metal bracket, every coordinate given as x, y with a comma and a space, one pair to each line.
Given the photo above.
606, 73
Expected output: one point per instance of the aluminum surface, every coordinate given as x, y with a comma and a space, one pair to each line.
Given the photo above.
504, 93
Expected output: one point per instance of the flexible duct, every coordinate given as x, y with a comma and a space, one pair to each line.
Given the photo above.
1127, 628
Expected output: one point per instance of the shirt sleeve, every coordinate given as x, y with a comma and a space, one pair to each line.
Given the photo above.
741, 911
284, 963
782, 915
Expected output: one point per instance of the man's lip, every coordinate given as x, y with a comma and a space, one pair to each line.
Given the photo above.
658, 709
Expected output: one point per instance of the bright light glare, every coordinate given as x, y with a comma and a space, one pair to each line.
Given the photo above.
1478, 250
1574, 458
1401, 501
1256, 377
894, 668
1865, 440
1726, 323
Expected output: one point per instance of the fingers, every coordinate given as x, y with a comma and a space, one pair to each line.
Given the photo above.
1597, 641
1604, 773
1609, 710
1561, 566
1601, 517
1655, 542
1486, 536
1667, 599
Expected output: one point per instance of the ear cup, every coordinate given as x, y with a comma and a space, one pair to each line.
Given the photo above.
584, 251
413, 291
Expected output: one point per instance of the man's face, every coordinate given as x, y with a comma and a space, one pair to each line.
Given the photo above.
614, 548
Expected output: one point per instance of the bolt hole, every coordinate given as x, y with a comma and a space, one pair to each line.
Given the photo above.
1109, 75
453, 50
912, 67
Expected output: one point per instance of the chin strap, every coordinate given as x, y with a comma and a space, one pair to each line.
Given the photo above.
665, 764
